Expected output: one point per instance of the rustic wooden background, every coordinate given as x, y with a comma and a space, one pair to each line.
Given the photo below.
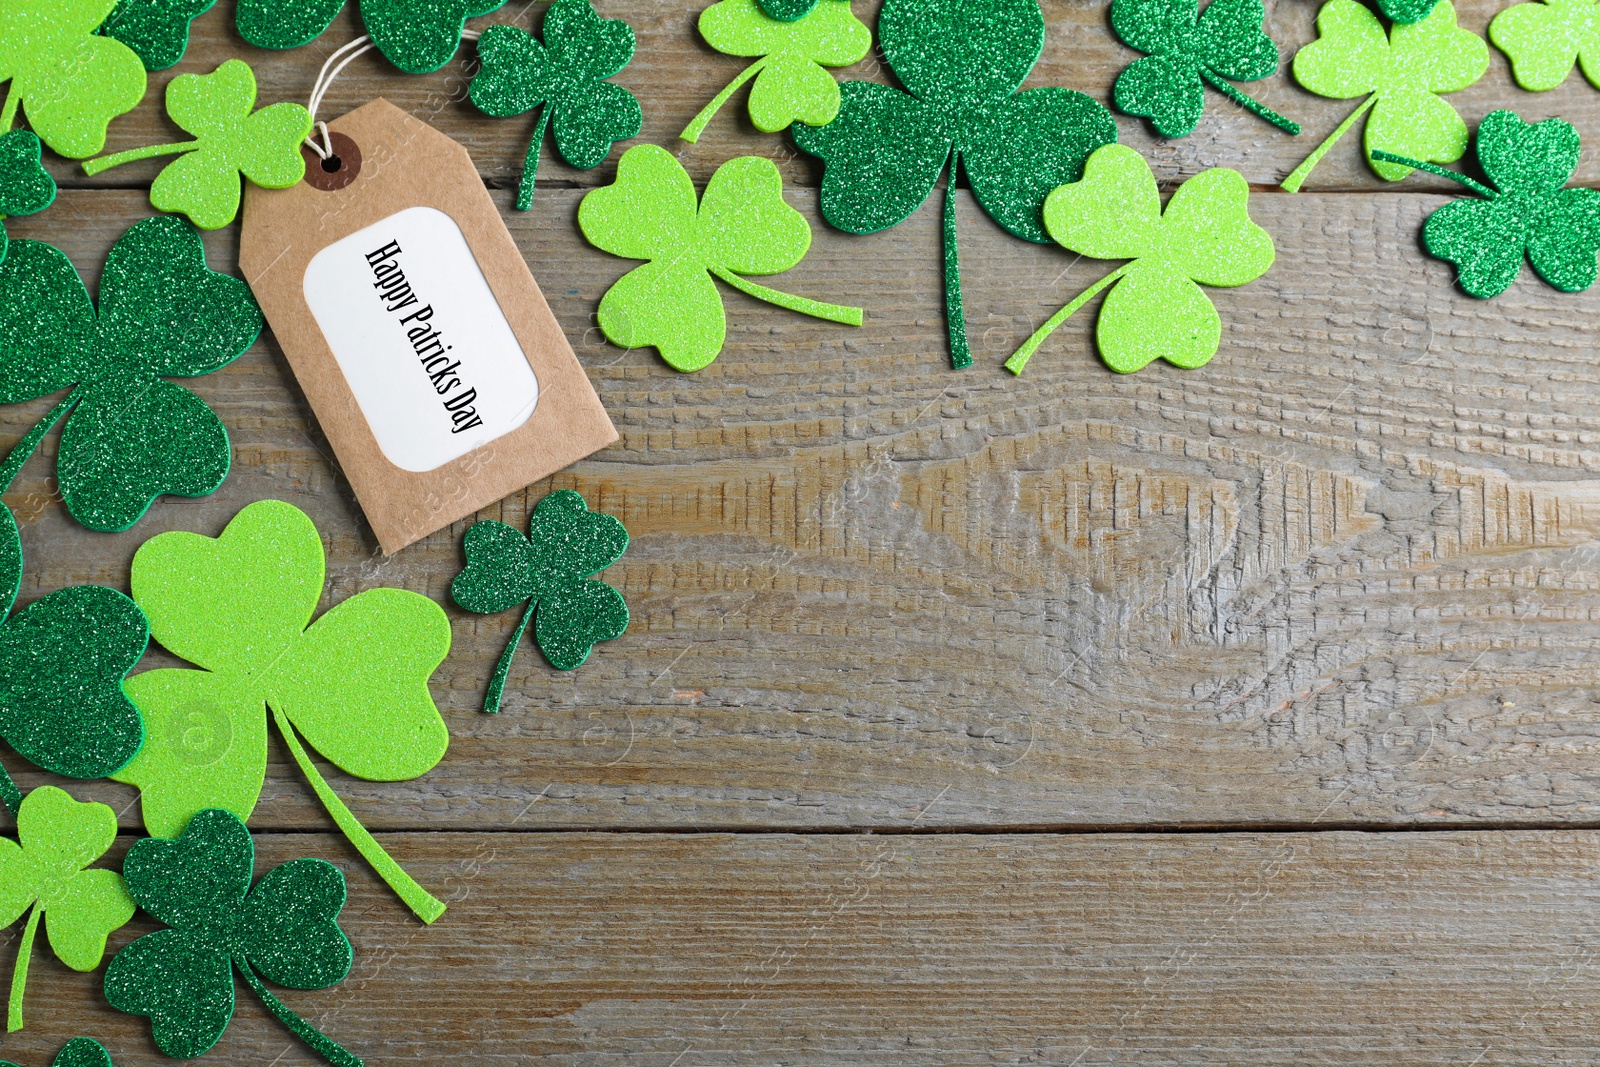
1246, 715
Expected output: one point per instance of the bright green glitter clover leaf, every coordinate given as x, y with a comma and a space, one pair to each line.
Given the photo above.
741, 226
794, 85
354, 683
230, 142
1156, 310
565, 78
62, 662
79, 1052
69, 82
25, 186
1526, 213
550, 570
418, 36
962, 63
43, 874
1544, 40
1401, 73
157, 30
1187, 48
286, 928
133, 435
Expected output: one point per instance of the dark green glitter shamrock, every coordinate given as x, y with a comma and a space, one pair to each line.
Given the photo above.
157, 30
134, 435
62, 662
1526, 213
1405, 11
79, 1052
550, 570
286, 929
787, 10
962, 62
565, 78
1187, 48
25, 186
417, 36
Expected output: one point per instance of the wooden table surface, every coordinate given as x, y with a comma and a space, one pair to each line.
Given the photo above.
1243, 715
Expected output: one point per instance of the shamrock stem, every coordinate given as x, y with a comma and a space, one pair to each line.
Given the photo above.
955, 317
95, 166
1019, 358
1293, 182
497, 683
697, 125
1231, 91
806, 306
1380, 156
530, 164
24, 448
9, 793
320, 1043
19, 976
426, 906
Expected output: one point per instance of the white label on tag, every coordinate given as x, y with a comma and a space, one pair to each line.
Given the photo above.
420, 338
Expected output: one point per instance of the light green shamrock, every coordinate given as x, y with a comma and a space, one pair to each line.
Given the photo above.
1402, 73
793, 86
230, 140
1156, 310
740, 226
59, 837
1543, 40
354, 683
69, 81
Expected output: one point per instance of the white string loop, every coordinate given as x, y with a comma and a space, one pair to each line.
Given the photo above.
342, 55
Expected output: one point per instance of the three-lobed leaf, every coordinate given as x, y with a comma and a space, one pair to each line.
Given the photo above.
1544, 39
792, 84
157, 30
69, 81
1181, 41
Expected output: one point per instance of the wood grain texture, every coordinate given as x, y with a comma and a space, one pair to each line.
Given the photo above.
1344, 573
924, 951
674, 73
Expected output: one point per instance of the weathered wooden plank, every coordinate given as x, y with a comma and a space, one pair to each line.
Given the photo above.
1345, 572
675, 74
1330, 948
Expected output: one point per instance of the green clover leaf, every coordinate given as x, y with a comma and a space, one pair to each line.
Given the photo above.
157, 30
793, 85
354, 683
1544, 40
70, 82
43, 874
741, 226
550, 570
230, 141
788, 10
1186, 48
79, 1052
1406, 10
1525, 211
1156, 309
132, 434
962, 63
286, 928
417, 36
1400, 74
565, 78
25, 186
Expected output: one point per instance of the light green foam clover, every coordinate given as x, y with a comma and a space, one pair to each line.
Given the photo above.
230, 141
354, 683
158, 30
1544, 40
42, 873
740, 226
1156, 310
793, 84
69, 81
25, 186
1401, 73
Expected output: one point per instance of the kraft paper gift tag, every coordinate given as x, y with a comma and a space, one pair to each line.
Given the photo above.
415, 328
